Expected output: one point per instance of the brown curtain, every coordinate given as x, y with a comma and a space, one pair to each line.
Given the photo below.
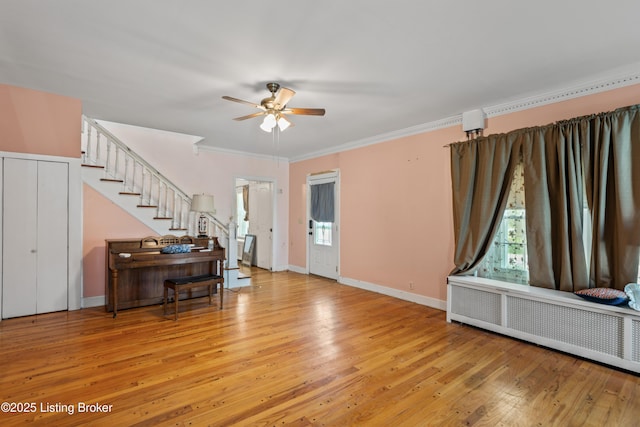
481, 173
612, 164
245, 201
554, 206
599, 152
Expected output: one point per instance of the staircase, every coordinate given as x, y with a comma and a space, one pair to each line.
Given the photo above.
122, 176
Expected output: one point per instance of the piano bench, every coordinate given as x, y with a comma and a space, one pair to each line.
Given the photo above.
187, 283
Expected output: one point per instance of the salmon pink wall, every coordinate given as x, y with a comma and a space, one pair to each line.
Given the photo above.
103, 220
34, 122
395, 212
395, 200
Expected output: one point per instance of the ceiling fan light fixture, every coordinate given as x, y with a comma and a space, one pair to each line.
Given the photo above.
283, 123
274, 108
268, 123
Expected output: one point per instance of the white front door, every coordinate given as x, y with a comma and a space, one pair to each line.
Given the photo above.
323, 235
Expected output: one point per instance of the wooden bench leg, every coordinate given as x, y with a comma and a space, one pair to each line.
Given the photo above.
189, 285
221, 293
176, 297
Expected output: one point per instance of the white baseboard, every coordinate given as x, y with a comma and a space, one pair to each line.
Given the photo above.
93, 301
297, 269
396, 293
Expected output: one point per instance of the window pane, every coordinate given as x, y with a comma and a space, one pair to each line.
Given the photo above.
507, 258
322, 233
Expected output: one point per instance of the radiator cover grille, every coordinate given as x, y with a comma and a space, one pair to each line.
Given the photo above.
586, 329
635, 333
476, 304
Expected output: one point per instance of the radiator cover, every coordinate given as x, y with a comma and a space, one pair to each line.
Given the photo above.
554, 319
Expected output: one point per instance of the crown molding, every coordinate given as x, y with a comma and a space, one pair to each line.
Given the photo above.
575, 91
413, 130
617, 79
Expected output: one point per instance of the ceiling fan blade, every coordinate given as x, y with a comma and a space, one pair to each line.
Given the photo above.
305, 111
230, 98
250, 116
283, 96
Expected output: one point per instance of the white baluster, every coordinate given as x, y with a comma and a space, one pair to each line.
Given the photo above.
116, 169
124, 174
88, 148
107, 166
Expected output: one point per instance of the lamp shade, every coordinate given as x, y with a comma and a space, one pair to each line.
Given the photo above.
202, 203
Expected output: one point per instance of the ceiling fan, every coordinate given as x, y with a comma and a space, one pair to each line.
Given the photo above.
275, 109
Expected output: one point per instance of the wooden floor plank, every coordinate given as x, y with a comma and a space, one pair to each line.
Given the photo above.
296, 350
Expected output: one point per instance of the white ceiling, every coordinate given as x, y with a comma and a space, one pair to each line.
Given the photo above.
376, 66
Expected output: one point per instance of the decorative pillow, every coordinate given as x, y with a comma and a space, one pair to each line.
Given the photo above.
176, 249
633, 292
603, 295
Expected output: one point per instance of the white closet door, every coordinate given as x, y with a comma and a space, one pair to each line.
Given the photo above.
19, 261
52, 228
35, 237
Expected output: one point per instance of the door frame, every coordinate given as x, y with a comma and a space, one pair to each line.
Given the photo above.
274, 210
324, 177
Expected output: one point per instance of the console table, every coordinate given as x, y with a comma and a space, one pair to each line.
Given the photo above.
138, 279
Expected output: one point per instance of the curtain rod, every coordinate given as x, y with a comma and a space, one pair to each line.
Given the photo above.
475, 132
478, 132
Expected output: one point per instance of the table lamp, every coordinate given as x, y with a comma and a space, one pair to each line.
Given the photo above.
202, 203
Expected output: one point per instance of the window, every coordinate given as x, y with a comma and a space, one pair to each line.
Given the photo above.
322, 233
507, 257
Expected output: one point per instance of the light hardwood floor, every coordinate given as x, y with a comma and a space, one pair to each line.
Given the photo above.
295, 350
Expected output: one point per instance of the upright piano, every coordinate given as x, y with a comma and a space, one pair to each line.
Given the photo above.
137, 268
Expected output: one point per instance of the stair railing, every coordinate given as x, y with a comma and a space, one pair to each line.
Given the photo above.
121, 164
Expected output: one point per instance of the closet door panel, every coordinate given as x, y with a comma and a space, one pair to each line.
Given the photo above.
19, 261
53, 229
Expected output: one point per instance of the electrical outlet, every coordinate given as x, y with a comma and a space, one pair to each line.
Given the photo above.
410, 285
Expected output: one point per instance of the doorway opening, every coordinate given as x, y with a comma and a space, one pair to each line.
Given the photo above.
255, 218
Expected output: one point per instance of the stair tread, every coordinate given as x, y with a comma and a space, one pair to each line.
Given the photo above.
129, 193
85, 165
111, 180
162, 217
147, 206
